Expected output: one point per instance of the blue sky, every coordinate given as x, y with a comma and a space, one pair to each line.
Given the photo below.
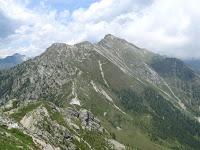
166, 27
61, 5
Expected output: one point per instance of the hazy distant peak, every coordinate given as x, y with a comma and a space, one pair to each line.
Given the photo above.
17, 54
13, 60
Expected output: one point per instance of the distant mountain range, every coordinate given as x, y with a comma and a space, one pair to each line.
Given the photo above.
110, 95
11, 61
193, 63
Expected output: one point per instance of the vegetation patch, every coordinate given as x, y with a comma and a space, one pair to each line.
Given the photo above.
14, 139
24, 110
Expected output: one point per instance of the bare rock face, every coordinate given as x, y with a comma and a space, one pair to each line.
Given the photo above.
34, 118
89, 121
43, 129
116, 145
72, 113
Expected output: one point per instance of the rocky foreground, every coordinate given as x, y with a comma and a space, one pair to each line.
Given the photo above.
52, 128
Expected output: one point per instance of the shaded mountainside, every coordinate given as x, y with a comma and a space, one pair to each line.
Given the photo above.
184, 82
124, 96
193, 63
11, 61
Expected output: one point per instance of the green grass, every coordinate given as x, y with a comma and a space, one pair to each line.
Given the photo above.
14, 139
130, 135
24, 110
55, 115
95, 139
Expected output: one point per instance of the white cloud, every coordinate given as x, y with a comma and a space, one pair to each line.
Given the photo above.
168, 27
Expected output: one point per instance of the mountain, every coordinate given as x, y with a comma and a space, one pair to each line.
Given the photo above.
193, 63
107, 95
11, 61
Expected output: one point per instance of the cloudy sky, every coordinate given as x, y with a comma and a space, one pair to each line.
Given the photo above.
170, 27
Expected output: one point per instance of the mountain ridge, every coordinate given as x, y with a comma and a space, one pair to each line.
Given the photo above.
134, 93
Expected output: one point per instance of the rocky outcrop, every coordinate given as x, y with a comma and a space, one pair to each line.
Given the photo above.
88, 121
43, 129
116, 145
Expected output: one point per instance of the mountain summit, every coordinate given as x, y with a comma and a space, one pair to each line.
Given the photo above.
108, 95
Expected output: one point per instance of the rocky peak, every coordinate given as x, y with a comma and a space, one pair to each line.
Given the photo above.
110, 36
58, 45
83, 43
112, 41
55, 47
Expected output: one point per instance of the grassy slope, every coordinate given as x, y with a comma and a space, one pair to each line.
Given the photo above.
14, 139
